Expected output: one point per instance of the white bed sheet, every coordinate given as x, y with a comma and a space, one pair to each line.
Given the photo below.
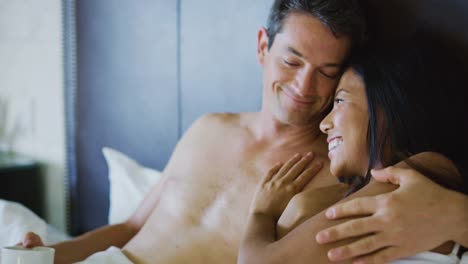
16, 220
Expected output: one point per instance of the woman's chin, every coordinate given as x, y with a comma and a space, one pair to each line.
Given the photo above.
342, 174
335, 170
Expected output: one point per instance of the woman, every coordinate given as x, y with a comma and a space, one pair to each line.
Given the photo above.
387, 107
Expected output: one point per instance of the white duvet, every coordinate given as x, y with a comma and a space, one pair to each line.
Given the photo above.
16, 220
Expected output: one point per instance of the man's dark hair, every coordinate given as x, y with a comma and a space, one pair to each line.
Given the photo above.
342, 17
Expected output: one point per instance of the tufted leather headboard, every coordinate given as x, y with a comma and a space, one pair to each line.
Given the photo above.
137, 73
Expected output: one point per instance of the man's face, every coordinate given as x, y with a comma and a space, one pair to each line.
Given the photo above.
301, 69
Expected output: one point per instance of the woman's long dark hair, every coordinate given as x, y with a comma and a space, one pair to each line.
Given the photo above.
416, 103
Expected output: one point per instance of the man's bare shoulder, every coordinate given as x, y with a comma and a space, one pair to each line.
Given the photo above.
220, 119
218, 124
211, 128
202, 141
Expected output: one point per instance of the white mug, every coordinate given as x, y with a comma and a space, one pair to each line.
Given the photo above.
20, 255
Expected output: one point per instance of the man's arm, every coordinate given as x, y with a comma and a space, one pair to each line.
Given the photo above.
425, 213
114, 235
300, 245
100, 239
118, 235
461, 203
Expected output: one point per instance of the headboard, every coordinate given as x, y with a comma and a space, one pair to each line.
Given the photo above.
138, 73
144, 71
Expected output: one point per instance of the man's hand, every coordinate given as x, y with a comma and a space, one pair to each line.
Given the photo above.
281, 183
416, 217
31, 240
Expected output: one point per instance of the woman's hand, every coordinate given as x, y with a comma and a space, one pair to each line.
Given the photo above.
308, 203
281, 183
273, 194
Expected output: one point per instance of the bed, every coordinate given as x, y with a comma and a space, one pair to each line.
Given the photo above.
16, 220
138, 73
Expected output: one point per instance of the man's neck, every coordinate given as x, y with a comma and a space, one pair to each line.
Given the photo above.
267, 128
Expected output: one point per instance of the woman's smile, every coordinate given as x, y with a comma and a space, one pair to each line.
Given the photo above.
348, 119
334, 143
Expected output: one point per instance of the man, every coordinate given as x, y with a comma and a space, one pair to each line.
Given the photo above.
198, 211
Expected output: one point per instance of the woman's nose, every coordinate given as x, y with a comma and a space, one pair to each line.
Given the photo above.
326, 123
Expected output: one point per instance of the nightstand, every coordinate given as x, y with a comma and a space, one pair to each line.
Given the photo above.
21, 181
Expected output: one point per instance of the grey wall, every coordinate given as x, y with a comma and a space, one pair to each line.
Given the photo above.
219, 70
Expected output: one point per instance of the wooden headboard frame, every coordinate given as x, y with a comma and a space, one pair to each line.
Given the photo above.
137, 73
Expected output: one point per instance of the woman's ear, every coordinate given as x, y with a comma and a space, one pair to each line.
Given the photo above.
262, 45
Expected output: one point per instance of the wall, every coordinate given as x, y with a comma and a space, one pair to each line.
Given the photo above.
31, 83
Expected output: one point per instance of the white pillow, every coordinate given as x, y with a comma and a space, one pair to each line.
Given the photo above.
129, 183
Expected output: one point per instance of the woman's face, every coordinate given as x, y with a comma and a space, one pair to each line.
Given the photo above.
347, 126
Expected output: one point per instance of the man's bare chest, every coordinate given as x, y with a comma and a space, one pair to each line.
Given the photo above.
215, 198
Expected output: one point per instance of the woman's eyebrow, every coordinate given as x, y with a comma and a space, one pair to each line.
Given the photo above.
341, 90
